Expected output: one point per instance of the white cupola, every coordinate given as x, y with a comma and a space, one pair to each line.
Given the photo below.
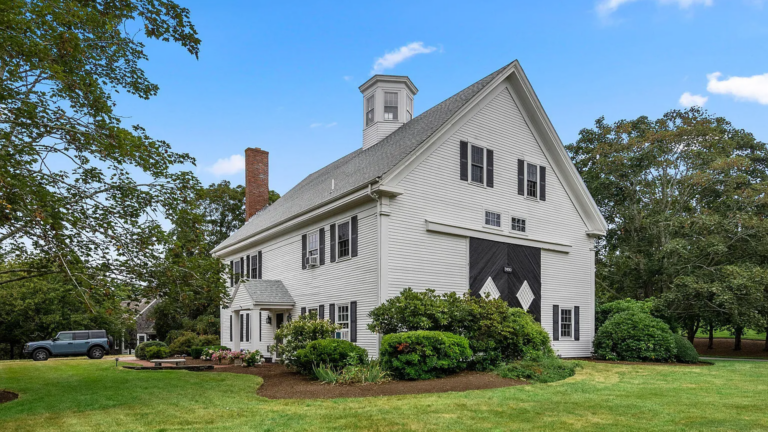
387, 105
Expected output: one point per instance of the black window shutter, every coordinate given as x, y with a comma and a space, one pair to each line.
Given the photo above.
576, 323
489, 168
555, 322
242, 327
259, 326
464, 160
332, 312
248, 327
321, 311
303, 311
353, 321
230, 327
520, 177
258, 266
543, 183
232, 275
322, 246
242, 267
354, 236
304, 252
333, 243
248, 266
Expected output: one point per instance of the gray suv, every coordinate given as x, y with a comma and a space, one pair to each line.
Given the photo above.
93, 343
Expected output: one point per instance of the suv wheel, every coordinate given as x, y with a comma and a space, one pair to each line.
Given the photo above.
96, 353
40, 355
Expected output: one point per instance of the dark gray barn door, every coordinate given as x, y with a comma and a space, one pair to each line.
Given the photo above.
509, 266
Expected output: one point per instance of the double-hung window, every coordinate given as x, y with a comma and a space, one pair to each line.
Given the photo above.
369, 106
343, 239
492, 219
313, 310
313, 248
517, 224
566, 323
237, 270
390, 106
342, 319
532, 180
477, 161
408, 108
255, 266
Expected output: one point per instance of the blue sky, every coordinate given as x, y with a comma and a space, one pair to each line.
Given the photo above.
284, 77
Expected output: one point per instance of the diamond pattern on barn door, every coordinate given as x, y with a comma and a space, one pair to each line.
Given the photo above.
490, 288
525, 295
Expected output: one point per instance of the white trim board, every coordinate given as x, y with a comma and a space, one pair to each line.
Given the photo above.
445, 228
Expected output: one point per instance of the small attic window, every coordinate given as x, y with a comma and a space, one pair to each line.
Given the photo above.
408, 108
369, 104
390, 105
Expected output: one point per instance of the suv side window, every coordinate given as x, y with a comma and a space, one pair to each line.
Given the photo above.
81, 335
64, 336
99, 334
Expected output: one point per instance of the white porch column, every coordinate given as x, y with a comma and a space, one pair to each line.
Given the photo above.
236, 330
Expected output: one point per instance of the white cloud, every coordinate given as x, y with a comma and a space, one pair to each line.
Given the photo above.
231, 165
607, 7
753, 89
688, 100
315, 125
348, 77
393, 58
330, 125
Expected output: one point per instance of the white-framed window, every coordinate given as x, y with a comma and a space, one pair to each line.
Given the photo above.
531, 180
342, 318
314, 309
477, 164
492, 219
566, 323
255, 266
517, 224
408, 108
390, 106
237, 270
370, 103
313, 247
343, 239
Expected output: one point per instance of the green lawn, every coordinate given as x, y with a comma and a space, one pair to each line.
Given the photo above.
95, 396
749, 334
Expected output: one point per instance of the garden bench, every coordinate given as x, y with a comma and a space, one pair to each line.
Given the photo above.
175, 362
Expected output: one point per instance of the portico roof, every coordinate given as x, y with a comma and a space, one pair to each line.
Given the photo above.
265, 292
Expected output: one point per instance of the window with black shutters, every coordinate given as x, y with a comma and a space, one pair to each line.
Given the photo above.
313, 248
343, 240
566, 323
478, 164
532, 181
237, 270
254, 266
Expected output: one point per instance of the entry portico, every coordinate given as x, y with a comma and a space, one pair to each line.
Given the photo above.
254, 296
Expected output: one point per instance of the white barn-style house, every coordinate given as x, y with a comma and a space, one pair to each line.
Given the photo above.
476, 193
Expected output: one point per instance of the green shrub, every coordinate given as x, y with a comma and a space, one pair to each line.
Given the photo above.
634, 336
538, 368
184, 343
172, 335
333, 353
252, 358
606, 310
196, 352
207, 351
424, 354
686, 353
156, 352
141, 349
496, 332
297, 334
371, 372
208, 340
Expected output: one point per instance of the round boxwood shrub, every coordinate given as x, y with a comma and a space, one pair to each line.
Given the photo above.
424, 354
156, 352
141, 349
634, 336
208, 340
335, 353
184, 344
686, 353
604, 311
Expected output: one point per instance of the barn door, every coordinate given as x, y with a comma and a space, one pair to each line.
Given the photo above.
513, 270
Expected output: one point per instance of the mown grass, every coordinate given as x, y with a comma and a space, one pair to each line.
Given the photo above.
725, 334
94, 395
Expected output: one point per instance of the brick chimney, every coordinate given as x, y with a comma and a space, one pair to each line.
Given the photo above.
256, 181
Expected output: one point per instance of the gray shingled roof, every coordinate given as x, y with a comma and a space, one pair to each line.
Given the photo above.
268, 291
360, 167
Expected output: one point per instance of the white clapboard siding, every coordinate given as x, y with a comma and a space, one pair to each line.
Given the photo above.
433, 191
355, 279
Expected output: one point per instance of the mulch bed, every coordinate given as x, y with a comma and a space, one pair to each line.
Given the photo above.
6, 396
281, 383
724, 348
591, 360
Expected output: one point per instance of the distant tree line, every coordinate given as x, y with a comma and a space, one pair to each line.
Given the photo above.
685, 198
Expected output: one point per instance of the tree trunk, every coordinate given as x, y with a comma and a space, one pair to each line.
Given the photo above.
711, 337
737, 342
691, 331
